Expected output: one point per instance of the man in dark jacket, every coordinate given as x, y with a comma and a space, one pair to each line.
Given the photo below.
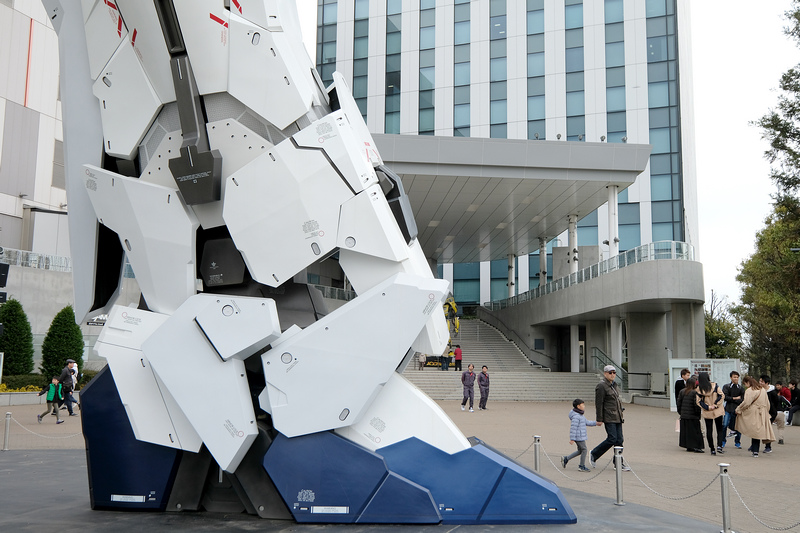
795, 401
776, 409
609, 411
734, 393
67, 385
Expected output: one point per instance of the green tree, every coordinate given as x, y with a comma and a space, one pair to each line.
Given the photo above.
770, 302
16, 342
64, 340
723, 337
781, 126
770, 278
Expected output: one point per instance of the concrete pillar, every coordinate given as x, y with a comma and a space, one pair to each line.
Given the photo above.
542, 261
613, 221
574, 348
511, 275
616, 340
572, 243
486, 282
523, 276
447, 273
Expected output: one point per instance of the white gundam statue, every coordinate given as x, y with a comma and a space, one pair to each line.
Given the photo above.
201, 145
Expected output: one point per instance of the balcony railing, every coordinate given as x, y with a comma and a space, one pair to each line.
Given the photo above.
648, 252
24, 258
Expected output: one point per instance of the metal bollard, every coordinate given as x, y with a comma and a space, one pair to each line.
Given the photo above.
7, 432
618, 467
537, 448
726, 504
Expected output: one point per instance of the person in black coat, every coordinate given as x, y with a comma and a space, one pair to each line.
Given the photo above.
691, 436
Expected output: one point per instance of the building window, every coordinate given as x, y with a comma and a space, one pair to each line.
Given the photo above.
393, 77
576, 94
461, 68
326, 39
498, 70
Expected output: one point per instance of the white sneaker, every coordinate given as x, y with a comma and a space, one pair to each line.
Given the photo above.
471, 410
462, 407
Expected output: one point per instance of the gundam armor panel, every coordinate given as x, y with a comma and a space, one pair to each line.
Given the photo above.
201, 146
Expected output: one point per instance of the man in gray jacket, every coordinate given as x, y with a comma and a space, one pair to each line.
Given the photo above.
609, 411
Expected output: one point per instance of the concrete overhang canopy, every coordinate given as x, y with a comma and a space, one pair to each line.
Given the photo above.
482, 199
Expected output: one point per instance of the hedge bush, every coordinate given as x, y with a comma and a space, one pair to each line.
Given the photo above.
36, 382
63, 341
17, 338
25, 380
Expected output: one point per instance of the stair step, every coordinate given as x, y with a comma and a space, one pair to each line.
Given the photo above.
513, 376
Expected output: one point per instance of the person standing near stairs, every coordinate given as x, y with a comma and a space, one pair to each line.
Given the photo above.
483, 385
468, 381
458, 357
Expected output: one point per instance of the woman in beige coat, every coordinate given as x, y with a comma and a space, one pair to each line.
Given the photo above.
712, 409
752, 417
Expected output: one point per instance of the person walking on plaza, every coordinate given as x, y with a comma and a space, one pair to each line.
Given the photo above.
776, 409
483, 386
577, 433
54, 395
752, 416
608, 406
712, 410
67, 384
691, 436
468, 381
734, 393
458, 357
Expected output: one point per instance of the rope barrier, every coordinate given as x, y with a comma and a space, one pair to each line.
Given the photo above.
60, 437
577, 480
674, 498
757, 519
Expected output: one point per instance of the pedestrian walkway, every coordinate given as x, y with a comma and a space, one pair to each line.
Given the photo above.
51, 468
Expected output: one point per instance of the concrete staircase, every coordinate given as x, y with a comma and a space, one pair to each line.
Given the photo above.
513, 376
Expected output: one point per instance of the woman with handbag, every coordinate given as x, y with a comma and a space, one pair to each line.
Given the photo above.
712, 410
752, 415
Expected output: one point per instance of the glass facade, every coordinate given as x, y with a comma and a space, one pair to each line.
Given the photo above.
461, 68
391, 121
574, 65
498, 70
545, 88
361, 54
616, 115
536, 93
327, 18
662, 89
427, 66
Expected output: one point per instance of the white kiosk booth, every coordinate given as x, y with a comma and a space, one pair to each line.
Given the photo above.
718, 369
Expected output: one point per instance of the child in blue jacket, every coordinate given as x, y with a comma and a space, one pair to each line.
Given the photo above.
577, 434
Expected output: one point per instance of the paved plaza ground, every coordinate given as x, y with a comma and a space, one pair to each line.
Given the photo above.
663, 482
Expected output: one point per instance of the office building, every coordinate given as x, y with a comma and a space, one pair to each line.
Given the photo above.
503, 77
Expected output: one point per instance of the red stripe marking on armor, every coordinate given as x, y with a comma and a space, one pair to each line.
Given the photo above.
236, 3
217, 19
111, 4
133, 39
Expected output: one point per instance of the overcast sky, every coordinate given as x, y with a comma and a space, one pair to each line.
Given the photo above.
739, 52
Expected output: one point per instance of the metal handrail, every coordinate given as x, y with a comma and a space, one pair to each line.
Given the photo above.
601, 359
648, 252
